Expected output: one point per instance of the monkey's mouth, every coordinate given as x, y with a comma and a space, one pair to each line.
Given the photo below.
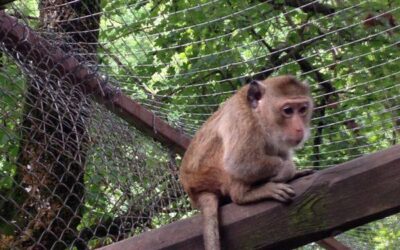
295, 143
298, 144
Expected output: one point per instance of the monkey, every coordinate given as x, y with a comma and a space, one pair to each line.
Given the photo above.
244, 151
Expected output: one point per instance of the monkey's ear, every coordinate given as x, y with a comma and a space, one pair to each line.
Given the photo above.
254, 94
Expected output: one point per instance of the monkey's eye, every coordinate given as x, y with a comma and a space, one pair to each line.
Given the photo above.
287, 111
303, 110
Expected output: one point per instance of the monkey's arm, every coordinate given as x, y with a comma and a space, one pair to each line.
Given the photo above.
253, 166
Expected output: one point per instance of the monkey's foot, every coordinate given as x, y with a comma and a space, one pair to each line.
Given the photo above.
281, 191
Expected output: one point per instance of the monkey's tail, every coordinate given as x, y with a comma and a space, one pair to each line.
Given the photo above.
209, 208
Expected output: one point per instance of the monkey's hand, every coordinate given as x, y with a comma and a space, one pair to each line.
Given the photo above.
241, 193
280, 191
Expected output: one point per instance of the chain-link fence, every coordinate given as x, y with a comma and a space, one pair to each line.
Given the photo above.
76, 171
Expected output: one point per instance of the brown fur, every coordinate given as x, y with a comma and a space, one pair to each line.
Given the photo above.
242, 145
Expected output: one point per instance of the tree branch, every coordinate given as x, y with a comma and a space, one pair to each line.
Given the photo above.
308, 6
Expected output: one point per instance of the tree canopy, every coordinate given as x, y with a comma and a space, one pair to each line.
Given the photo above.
181, 59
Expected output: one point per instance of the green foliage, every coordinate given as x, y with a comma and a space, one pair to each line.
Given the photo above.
192, 55
183, 58
11, 94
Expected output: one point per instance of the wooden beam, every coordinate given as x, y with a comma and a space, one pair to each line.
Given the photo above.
332, 244
30, 49
327, 203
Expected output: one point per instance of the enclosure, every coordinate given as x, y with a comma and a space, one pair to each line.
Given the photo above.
99, 100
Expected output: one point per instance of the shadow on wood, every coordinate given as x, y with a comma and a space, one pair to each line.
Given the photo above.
327, 203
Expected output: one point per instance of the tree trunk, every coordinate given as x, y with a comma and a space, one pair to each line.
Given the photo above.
55, 137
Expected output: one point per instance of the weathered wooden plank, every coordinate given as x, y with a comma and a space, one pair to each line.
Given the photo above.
26, 46
332, 244
327, 203
150, 124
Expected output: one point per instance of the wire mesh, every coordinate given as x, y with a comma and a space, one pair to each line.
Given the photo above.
74, 174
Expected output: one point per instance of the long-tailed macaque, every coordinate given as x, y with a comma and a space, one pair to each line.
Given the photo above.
244, 150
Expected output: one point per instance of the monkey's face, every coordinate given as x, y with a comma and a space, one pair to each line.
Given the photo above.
283, 107
293, 117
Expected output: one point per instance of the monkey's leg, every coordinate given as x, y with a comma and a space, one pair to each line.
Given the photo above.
209, 207
285, 173
242, 193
